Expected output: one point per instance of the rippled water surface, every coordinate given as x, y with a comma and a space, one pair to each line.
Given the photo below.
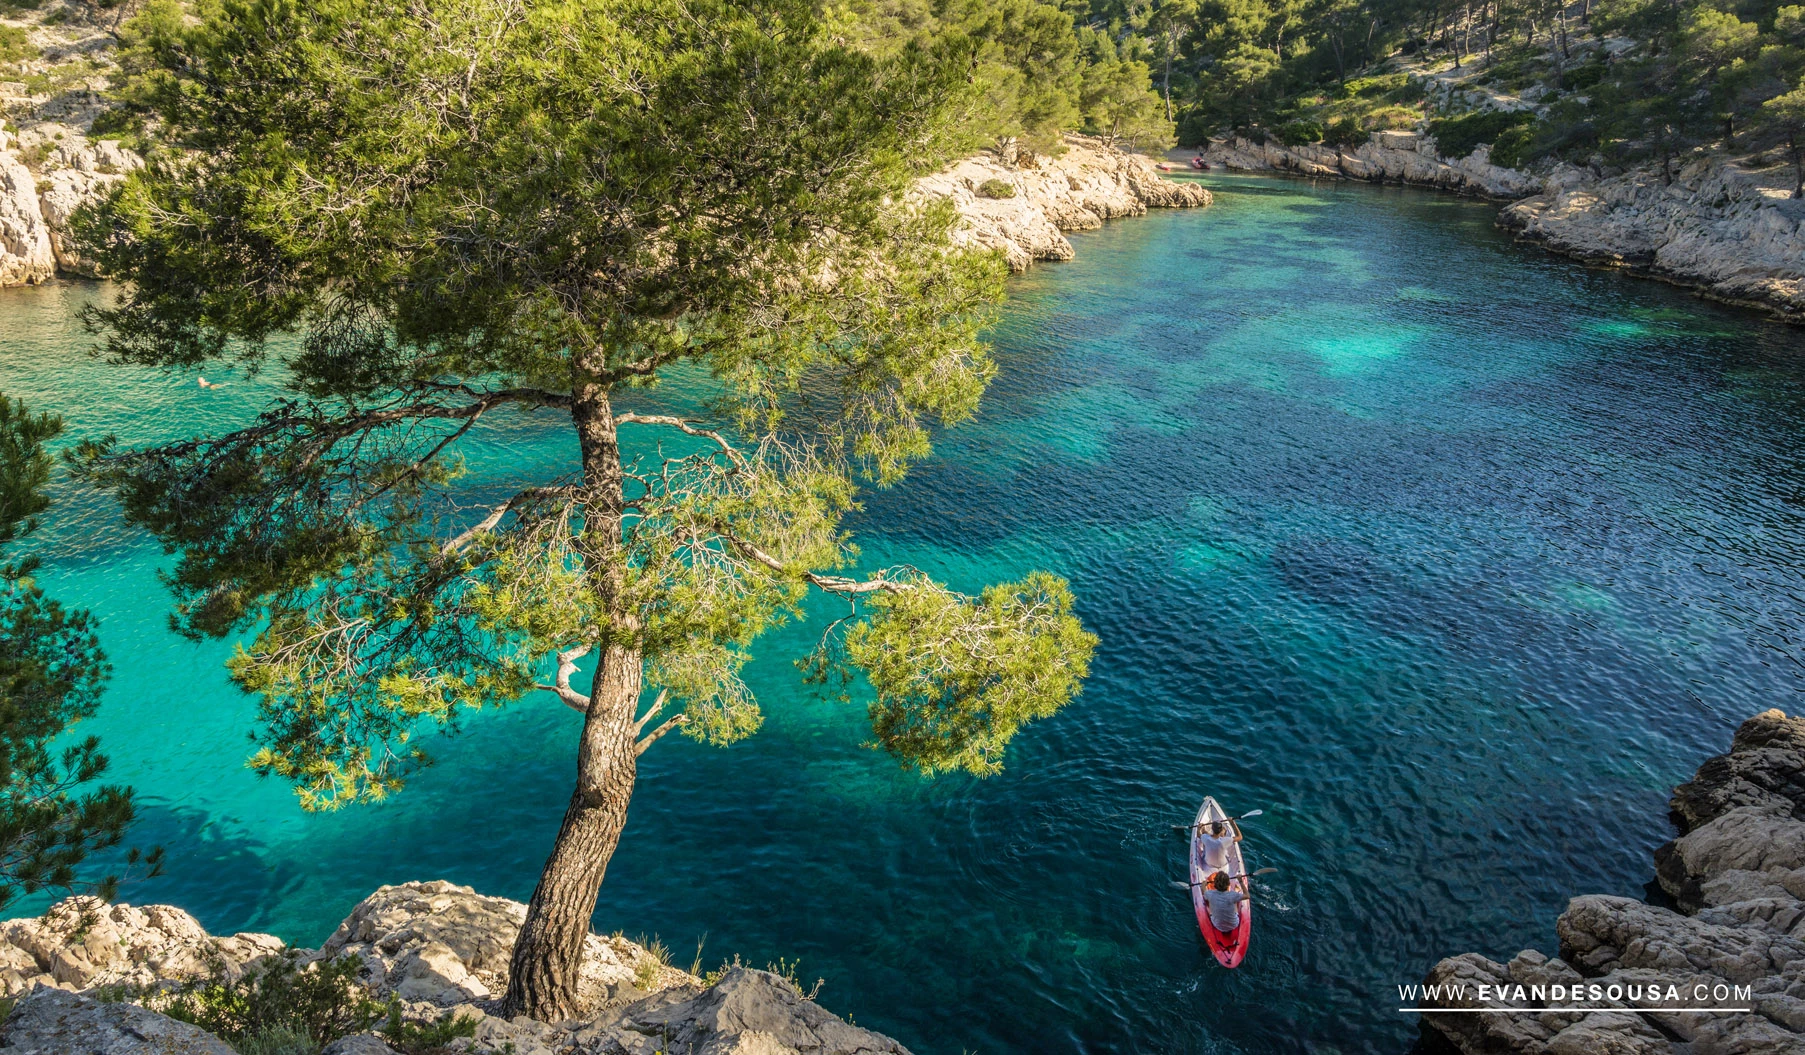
1450, 555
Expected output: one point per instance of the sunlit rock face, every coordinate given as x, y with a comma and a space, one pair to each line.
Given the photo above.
1077, 191
1712, 227
26, 256
1737, 873
434, 949
1709, 226
1386, 157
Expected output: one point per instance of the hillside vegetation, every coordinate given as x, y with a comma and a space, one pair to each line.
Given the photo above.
1037, 68
1605, 82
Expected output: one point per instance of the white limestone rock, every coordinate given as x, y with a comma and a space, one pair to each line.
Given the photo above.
26, 256
1739, 867
1387, 156
1712, 226
81, 943
747, 1012
440, 944
49, 1021
1089, 184
358, 1044
79, 172
439, 949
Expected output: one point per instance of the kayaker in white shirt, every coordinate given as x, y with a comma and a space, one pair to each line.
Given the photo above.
1222, 904
1215, 841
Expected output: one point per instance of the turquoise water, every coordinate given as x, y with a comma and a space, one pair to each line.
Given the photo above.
1450, 555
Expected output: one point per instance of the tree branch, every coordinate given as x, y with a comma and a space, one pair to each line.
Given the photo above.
537, 396
657, 705
837, 584
652, 737
679, 423
567, 665
487, 523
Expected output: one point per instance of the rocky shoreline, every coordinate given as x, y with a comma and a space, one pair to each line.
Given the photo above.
1387, 157
1713, 229
1046, 196
437, 950
1734, 938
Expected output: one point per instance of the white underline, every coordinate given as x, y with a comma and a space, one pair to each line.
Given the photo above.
1544, 1010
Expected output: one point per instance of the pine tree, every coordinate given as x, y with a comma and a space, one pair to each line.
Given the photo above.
446, 212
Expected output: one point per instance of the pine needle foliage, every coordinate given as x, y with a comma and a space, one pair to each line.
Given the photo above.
52, 672
435, 215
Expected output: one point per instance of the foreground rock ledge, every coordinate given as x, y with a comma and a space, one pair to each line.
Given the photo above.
1737, 872
437, 948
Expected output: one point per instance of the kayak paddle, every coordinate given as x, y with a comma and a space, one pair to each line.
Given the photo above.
1244, 816
1245, 875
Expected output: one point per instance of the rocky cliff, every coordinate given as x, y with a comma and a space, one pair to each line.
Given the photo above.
1736, 940
1712, 227
437, 949
36, 207
1386, 157
1046, 196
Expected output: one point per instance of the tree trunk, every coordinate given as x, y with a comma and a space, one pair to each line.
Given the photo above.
1167, 86
1798, 165
542, 976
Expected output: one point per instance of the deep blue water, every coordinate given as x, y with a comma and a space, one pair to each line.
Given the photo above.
1450, 555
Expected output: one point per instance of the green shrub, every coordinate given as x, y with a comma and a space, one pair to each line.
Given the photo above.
1455, 137
1389, 116
1377, 87
1344, 132
1584, 76
116, 123
321, 1001
1514, 146
1517, 72
996, 188
1297, 133
278, 1040
424, 1038
658, 957
15, 46
1573, 138
1194, 128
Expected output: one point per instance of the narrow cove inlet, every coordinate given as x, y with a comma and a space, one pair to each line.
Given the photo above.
1451, 556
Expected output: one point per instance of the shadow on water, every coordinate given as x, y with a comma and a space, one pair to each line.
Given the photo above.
214, 869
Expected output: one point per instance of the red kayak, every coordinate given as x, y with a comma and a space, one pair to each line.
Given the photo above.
1230, 947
